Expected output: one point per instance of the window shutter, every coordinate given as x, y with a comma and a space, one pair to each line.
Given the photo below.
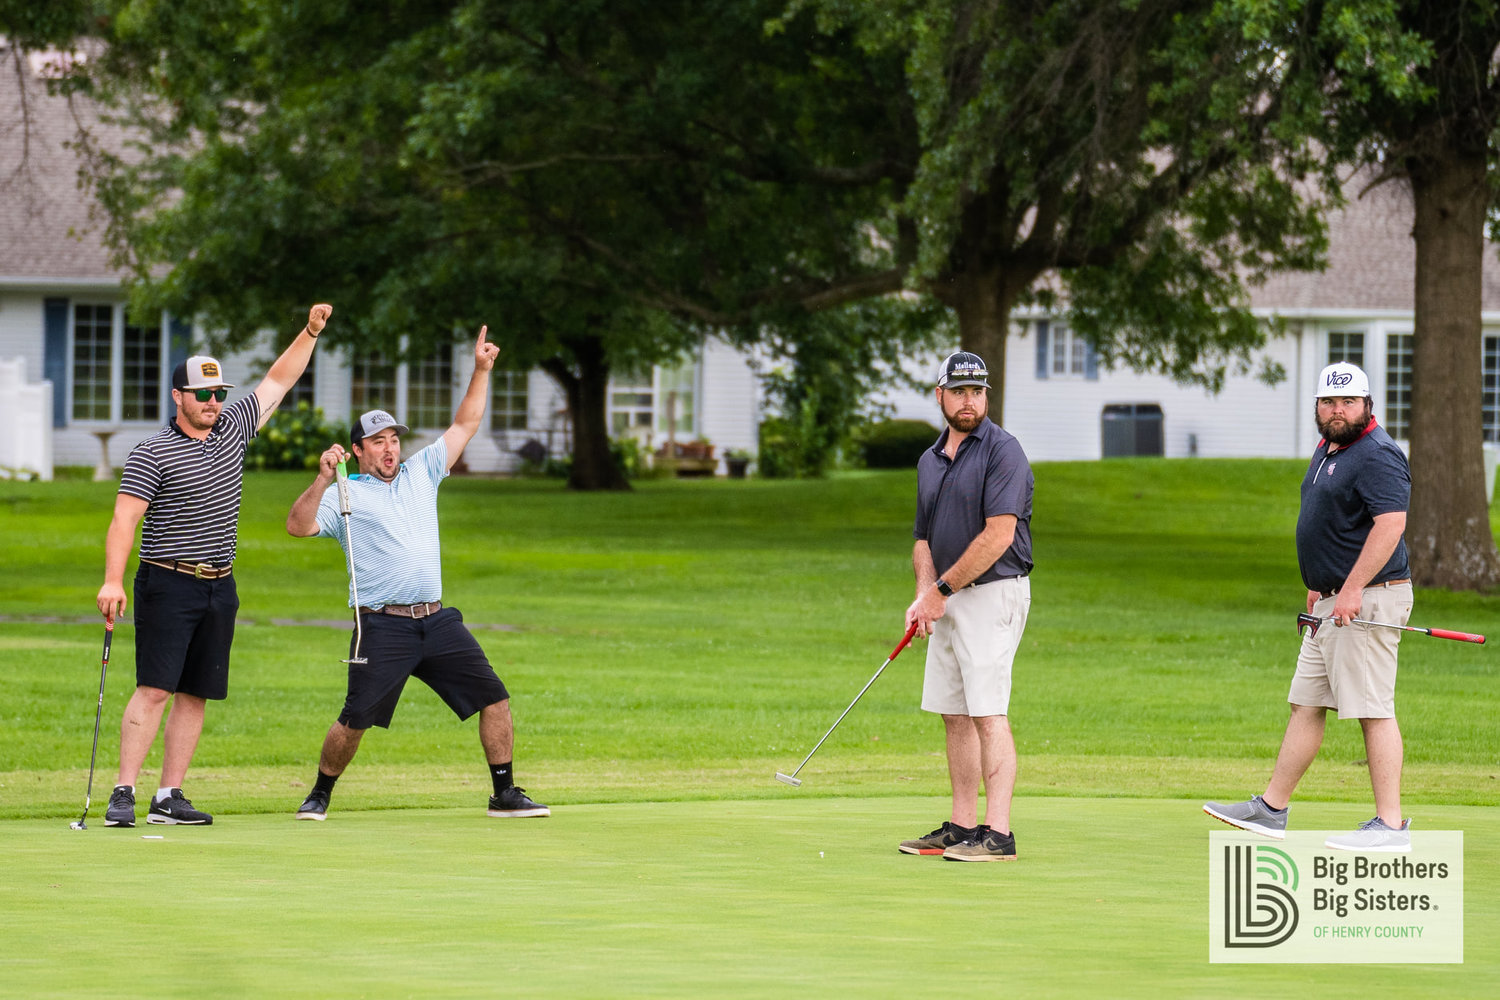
55, 356
1043, 359
1090, 362
179, 341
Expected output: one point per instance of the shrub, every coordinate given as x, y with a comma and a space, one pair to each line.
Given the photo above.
293, 438
895, 444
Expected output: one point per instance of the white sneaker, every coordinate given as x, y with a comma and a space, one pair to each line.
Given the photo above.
1374, 835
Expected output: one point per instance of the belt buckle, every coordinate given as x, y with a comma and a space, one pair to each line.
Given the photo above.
200, 569
424, 606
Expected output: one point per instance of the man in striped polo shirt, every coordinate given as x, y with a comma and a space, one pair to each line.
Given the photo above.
185, 482
405, 630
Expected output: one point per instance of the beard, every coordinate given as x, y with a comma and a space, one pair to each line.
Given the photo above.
965, 423
1343, 432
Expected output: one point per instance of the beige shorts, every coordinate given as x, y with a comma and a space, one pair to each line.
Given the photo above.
1353, 669
972, 647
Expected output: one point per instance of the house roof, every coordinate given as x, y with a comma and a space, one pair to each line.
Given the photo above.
50, 237
1372, 260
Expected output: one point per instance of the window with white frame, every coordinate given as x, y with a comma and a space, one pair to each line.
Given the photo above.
1397, 413
1490, 391
140, 374
1347, 345
632, 411
117, 367
430, 390
93, 360
509, 399
1069, 352
676, 389
372, 384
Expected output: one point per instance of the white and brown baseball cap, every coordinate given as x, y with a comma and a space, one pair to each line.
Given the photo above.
373, 422
200, 372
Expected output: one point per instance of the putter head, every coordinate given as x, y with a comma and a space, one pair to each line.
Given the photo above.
79, 825
1308, 624
788, 779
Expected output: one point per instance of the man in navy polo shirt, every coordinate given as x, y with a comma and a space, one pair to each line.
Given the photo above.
407, 632
1353, 560
972, 558
185, 481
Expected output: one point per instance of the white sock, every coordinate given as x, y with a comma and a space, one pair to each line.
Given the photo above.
162, 794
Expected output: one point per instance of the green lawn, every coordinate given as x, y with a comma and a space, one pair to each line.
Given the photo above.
668, 650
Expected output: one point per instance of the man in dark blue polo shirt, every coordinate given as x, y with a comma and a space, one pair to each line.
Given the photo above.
972, 558
1353, 560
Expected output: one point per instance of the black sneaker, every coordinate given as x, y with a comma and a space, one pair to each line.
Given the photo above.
986, 845
938, 840
176, 811
121, 810
514, 804
315, 807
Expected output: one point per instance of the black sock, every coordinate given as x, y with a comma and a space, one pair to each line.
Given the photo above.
325, 782
501, 776
1273, 808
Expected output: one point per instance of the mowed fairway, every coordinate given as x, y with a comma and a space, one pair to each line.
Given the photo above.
668, 651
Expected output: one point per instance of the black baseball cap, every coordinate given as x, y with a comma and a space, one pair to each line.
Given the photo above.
373, 422
963, 368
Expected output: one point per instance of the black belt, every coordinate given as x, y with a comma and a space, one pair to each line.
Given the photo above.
1384, 583
406, 610
199, 571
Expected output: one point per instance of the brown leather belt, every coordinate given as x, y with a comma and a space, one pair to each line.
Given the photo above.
407, 610
199, 571
1384, 583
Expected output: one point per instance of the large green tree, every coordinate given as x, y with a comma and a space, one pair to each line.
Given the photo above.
1409, 89
601, 182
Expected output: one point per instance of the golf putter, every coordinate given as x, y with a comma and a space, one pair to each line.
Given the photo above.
1311, 622
344, 509
88, 795
792, 779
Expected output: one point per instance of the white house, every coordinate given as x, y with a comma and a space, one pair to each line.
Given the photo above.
1360, 310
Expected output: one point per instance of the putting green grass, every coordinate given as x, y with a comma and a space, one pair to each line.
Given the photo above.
785, 896
668, 650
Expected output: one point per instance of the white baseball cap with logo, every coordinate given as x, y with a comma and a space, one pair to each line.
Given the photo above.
1342, 379
199, 372
373, 422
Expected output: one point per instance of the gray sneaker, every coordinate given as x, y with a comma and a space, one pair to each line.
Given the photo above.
938, 840
1253, 815
1374, 835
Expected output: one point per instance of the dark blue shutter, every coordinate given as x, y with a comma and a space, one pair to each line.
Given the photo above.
1043, 356
179, 337
55, 356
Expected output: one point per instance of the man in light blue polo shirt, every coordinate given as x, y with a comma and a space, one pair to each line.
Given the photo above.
406, 631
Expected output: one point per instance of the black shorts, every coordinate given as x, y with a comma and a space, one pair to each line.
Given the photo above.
436, 650
183, 630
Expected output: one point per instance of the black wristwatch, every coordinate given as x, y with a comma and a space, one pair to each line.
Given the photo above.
943, 588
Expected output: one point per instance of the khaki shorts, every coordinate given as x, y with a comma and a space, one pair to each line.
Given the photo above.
1353, 669
972, 647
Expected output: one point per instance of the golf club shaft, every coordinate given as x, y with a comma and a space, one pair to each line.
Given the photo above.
899, 647
345, 509
1436, 633
88, 795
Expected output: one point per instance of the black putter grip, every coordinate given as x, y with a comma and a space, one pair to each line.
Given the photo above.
109, 633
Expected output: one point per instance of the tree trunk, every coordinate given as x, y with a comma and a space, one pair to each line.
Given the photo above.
1448, 529
983, 300
586, 386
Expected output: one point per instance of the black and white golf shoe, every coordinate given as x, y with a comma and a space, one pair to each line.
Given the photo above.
121, 811
315, 806
513, 803
176, 810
